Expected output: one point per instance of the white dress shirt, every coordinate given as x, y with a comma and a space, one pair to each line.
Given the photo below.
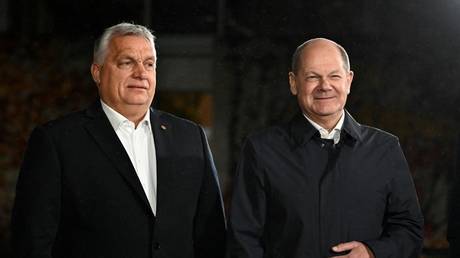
140, 146
325, 134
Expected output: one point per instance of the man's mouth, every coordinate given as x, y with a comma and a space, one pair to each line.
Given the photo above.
142, 87
324, 98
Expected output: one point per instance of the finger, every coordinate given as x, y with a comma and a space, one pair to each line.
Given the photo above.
345, 246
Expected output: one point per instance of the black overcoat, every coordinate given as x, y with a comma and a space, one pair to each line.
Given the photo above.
296, 196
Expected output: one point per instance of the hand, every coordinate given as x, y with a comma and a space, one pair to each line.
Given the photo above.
357, 250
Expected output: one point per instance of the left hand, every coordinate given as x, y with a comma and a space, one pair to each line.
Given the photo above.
357, 250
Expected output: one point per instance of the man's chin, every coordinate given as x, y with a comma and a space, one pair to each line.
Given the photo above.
328, 113
139, 101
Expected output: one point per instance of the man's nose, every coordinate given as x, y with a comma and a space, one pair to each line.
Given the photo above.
324, 84
140, 71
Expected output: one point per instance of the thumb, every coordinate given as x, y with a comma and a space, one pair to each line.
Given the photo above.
345, 246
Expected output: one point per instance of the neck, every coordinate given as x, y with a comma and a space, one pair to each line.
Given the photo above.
326, 122
135, 118
134, 113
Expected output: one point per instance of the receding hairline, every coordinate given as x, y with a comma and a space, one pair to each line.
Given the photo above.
299, 50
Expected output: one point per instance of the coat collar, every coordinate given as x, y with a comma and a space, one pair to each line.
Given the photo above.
352, 128
102, 132
303, 131
95, 110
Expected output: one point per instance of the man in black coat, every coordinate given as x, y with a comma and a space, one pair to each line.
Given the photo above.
323, 185
119, 179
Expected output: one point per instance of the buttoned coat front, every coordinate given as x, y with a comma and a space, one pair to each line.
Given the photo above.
296, 196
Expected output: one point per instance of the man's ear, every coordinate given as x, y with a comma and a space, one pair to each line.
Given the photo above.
292, 84
350, 80
95, 72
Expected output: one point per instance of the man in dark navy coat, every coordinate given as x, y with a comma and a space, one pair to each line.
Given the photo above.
119, 179
323, 185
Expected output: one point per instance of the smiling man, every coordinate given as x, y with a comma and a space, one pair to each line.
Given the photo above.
323, 185
119, 179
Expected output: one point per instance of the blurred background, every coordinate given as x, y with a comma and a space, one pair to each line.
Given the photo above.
224, 64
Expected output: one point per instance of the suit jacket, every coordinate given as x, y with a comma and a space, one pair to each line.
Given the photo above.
296, 195
78, 194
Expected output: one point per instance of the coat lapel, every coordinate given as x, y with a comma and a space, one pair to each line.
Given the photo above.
101, 130
301, 130
162, 134
351, 130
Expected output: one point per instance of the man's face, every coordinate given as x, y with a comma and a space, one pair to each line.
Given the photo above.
321, 82
127, 78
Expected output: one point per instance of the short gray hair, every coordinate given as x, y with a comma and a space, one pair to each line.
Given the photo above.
121, 29
298, 51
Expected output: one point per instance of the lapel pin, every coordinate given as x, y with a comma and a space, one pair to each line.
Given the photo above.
163, 127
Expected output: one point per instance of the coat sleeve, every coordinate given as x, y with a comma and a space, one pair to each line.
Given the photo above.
36, 210
248, 208
402, 234
210, 228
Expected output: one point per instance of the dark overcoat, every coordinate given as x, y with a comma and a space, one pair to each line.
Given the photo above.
297, 196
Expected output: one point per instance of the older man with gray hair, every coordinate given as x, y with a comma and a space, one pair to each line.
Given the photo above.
119, 179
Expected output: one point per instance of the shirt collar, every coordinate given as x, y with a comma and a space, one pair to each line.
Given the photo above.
334, 134
116, 119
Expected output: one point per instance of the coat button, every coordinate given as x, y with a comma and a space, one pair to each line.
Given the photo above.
156, 245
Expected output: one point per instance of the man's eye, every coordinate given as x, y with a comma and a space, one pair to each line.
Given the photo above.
312, 78
336, 76
149, 65
125, 64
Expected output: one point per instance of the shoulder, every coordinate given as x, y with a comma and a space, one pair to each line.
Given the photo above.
271, 132
173, 121
366, 133
60, 130
64, 122
180, 129
378, 137
275, 136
